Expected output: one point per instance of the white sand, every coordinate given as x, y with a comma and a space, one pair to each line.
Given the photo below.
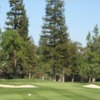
92, 86
17, 86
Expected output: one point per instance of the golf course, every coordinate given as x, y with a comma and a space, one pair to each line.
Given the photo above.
47, 90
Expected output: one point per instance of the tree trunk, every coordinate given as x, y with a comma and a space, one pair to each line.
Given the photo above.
42, 77
15, 63
29, 75
73, 78
54, 77
93, 79
89, 79
63, 76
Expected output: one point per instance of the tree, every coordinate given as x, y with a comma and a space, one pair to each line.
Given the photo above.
42, 70
30, 57
91, 65
84, 65
12, 50
73, 59
95, 53
54, 38
17, 19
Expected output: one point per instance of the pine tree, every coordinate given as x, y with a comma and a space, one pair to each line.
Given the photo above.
11, 50
30, 57
17, 18
96, 53
54, 38
93, 55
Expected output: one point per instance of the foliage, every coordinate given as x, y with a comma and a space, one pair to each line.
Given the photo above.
17, 19
91, 60
12, 50
30, 57
54, 37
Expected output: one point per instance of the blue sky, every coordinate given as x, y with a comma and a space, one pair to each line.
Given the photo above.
81, 17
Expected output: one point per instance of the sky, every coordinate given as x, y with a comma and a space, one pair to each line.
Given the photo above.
81, 17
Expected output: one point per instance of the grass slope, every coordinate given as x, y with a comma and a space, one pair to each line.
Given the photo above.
48, 91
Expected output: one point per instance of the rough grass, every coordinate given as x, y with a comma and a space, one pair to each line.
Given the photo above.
48, 91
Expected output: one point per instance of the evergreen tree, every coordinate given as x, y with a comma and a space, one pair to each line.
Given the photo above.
91, 65
43, 69
54, 38
17, 19
73, 59
12, 50
30, 57
84, 65
95, 48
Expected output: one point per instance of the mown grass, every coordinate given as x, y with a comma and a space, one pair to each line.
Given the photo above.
48, 91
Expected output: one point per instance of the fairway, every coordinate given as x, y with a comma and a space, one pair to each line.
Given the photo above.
48, 91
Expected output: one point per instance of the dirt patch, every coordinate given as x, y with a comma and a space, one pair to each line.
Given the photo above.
17, 86
92, 86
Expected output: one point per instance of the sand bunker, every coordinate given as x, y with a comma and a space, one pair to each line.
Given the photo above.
92, 86
17, 86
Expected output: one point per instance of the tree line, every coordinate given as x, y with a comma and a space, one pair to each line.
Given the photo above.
56, 57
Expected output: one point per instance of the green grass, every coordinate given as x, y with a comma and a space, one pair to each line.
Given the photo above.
48, 91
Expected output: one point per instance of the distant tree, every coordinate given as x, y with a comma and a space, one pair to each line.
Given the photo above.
17, 19
54, 38
84, 65
95, 48
91, 66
